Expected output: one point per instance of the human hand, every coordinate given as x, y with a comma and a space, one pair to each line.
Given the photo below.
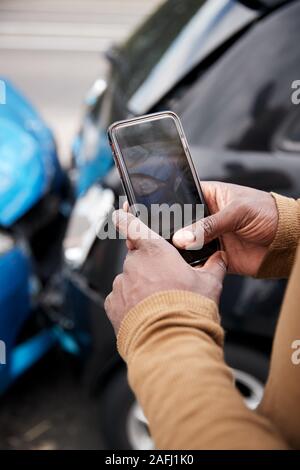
244, 218
152, 265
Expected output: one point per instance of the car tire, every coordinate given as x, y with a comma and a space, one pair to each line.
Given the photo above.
117, 401
250, 368
123, 423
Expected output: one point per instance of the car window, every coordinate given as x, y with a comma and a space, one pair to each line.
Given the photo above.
242, 104
215, 22
145, 47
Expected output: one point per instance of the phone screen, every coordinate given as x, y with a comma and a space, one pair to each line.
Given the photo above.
160, 174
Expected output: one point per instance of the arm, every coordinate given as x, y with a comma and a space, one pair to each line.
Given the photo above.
281, 398
172, 343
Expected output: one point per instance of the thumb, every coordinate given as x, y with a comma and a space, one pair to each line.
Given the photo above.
133, 228
217, 265
205, 230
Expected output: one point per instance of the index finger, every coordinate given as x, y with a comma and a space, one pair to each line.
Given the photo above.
133, 228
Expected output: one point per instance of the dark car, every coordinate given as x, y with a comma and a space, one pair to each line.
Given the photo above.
229, 70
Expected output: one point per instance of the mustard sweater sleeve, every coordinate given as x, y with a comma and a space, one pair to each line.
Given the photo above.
172, 343
281, 255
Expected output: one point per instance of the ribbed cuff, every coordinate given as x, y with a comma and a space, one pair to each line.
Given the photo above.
288, 230
280, 256
160, 304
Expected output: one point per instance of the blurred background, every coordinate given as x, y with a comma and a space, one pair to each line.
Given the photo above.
70, 68
53, 51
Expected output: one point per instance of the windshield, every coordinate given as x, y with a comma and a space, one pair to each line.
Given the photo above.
212, 25
147, 45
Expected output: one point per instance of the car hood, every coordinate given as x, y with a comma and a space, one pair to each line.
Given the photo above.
28, 162
22, 176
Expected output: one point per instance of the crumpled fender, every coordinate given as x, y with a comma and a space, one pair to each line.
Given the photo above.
22, 176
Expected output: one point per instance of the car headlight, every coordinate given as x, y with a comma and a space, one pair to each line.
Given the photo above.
89, 213
6, 243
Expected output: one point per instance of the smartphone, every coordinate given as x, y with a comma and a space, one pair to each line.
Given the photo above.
156, 170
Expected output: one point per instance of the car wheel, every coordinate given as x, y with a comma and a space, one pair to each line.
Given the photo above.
250, 369
124, 425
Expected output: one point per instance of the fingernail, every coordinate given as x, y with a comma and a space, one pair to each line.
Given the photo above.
184, 236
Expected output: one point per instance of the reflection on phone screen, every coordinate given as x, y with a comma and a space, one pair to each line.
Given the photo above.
160, 173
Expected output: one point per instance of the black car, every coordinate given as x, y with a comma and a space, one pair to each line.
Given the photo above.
229, 70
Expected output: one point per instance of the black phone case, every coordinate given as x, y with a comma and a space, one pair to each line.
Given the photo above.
192, 257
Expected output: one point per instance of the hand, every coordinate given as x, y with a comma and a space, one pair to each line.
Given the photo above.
245, 219
154, 265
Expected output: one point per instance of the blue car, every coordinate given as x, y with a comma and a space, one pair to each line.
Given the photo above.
30, 174
36, 199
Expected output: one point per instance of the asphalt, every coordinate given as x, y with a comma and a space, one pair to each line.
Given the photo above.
49, 408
